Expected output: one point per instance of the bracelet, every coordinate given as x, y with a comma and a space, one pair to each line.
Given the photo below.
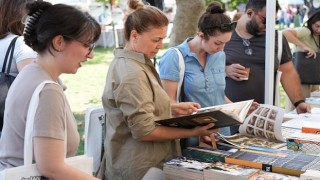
296, 104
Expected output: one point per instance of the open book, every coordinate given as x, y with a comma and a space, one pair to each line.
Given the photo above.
261, 128
222, 116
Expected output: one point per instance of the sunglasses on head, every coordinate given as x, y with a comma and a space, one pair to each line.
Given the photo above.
226, 26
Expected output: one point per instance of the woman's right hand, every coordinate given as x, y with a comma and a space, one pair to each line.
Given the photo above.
309, 52
205, 130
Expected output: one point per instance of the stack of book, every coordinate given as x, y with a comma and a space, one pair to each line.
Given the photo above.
182, 168
225, 171
204, 154
278, 161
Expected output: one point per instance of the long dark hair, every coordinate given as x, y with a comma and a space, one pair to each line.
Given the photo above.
313, 19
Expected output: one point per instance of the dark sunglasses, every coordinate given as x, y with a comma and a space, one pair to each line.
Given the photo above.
262, 18
226, 26
248, 51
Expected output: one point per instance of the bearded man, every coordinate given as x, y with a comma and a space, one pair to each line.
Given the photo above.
247, 49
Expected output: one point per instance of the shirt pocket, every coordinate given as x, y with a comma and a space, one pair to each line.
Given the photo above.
218, 76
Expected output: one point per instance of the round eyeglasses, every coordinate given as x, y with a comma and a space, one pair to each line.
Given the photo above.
89, 46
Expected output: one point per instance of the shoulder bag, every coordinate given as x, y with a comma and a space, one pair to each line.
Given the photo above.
29, 170
307, 68
5, 78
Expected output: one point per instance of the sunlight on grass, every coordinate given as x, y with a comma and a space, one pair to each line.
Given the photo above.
84, 89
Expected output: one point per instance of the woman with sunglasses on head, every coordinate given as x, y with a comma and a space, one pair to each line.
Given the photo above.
306, 39
204, 58
63, 37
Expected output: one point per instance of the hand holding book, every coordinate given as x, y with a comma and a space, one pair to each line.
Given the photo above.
222, 116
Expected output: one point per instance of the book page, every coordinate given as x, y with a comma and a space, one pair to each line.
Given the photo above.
261, 128
238, 110
264, 122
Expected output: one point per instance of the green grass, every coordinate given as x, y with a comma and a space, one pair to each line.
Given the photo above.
85, 88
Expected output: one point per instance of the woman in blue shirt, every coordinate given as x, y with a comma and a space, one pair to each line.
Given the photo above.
204, 58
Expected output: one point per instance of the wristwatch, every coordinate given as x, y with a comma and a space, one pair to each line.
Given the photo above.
296, 104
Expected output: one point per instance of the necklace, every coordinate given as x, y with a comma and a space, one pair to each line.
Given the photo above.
246, 43
241, 35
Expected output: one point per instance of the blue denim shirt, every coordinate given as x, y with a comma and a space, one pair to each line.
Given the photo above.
204, 86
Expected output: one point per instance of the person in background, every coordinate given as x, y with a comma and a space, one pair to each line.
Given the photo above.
63, 37
134, 99
11, 13
204, 76
306, 39
247, 48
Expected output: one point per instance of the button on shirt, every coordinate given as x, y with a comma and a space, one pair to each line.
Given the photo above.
204, 86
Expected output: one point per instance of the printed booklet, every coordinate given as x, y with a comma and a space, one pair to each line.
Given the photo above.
222, 116
263, 127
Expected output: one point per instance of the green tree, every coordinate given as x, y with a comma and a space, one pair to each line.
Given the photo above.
186, 20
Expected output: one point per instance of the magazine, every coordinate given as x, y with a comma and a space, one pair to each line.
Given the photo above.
222, 116
261, 128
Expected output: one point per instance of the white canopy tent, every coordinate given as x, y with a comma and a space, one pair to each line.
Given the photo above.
270, 44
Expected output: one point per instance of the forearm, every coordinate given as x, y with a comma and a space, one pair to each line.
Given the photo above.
53, 165
164, 133
64, 171
291, 84
291, 37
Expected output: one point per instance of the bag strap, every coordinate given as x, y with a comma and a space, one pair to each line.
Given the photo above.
9, 50
276, 97
182, 69
279, 47
28, 138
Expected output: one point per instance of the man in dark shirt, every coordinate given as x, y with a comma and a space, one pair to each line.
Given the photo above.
247, 49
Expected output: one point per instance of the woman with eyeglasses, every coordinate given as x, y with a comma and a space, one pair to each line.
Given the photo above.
11, 13
204, 59
63, 37
306, 39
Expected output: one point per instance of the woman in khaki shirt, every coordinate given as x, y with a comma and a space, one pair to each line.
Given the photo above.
134, 99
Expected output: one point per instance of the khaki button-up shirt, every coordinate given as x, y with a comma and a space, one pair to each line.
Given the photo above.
133, 99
